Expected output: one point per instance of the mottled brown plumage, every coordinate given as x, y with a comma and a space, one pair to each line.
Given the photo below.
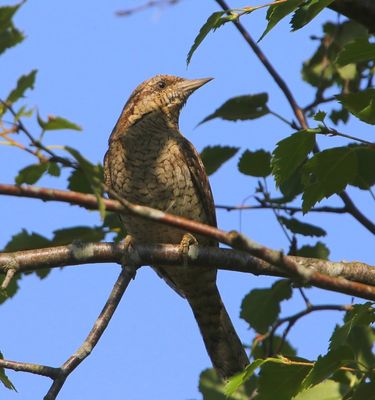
150, 163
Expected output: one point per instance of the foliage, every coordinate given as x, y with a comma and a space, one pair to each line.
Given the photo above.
342, 66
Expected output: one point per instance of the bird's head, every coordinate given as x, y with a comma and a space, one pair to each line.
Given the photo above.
161, 96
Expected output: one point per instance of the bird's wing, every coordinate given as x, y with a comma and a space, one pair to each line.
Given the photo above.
200, 180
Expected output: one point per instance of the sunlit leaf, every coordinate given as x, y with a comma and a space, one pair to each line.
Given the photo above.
360, 104
56, 123
290, 153
4, 379
307, 11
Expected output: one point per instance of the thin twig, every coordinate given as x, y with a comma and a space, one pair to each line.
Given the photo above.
297, 110
291, 321
96, 332
336, 210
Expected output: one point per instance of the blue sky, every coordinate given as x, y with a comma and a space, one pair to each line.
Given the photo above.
89, 61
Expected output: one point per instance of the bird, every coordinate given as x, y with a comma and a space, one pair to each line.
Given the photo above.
150, 163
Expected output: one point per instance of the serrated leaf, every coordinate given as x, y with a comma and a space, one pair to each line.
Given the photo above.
261, 307
24, 82
361, 341
319, 116
214, 157
4, 379
6, 15
302, 228
238, 380
31, 174
277, 12
319, 250
365, 177
211, 23
356, 51
360, 314
212, 387
280, 381
328, 172
56, 123
328, 390
77, 233
289, 155
241, 108
325, 366
26, 241
306, 12
360, 104
255, 163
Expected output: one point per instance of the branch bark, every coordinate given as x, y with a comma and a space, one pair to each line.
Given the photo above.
170, 255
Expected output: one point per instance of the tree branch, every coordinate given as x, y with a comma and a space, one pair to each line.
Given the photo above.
298, 112
274, 206
93, 337
170, 255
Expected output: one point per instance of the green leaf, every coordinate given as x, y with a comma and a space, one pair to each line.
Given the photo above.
238, 380
319, 116
365, 390
328, 390
77, 233
290, 154
325, 366
212, 387
361, 341
277, 12
10, 38
241, 108
261, 307
214, 157
339, 115
24, 82
93, 175
211, 24
365, 177
26, 241
53, 169
31, 174
361, 314
55, 123
261, 349
6, 15
360, 104
9, 35
306, 12
4, 379
255, 163
320, 250
327, 173
302, 228
280, 381
356, 51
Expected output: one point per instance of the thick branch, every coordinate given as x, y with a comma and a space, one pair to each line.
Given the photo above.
170, 255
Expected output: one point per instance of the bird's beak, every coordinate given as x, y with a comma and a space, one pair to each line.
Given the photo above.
190, 85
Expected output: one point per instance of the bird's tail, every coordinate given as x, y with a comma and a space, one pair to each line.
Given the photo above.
220, 338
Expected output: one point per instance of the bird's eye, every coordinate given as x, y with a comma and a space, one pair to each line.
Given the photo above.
161, 84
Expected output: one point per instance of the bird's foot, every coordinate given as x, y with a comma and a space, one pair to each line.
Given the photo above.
130, 259
187, 240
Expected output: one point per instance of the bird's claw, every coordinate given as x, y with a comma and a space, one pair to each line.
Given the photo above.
130, 257
187, 240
